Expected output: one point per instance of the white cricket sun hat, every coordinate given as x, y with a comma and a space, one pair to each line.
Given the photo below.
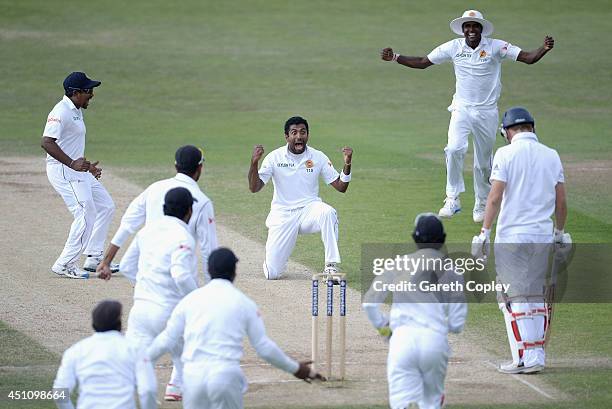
471, 15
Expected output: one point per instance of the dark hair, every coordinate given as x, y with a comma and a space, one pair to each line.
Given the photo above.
106, 316
179, 212
295, 120
188, 172
222, 264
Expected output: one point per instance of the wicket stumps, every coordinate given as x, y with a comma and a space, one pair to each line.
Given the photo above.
340, 280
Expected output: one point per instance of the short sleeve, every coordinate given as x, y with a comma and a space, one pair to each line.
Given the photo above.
499, 171
53, 128
561, 175
505, 50
328, 172
442, 53
267, 169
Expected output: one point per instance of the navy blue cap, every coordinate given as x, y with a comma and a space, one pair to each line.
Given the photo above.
78, 80
178, 198
428, 228
188, 157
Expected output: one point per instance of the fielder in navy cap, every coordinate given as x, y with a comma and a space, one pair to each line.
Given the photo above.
428, 231
187, 159
178, 202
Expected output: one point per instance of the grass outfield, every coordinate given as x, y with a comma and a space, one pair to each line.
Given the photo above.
226, 76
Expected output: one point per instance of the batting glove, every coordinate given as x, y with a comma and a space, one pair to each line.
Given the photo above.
481, 244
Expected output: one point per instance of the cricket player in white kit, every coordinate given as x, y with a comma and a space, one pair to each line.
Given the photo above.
148, 206
162, 262
106, 367
477, 61
419, 323
296, 206
528, 187
213, 321
76, 179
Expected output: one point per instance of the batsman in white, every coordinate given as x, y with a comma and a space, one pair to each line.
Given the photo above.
148, 206
296, 206
106, 367
76, 179
477, 61
213, 321
419, 322
528, 187
162, 262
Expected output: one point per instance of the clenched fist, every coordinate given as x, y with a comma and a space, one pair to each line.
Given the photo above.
387, 54
549, 43
258, 152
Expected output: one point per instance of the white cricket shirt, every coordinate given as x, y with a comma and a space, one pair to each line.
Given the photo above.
213, 320
416, 308
162, 261
148, 206
296, 177
108, 370
477, 71
531, 172
65, 124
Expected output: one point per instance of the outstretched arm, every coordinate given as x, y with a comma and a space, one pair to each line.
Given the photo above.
532, 57
387, 54
255, 183
341, 184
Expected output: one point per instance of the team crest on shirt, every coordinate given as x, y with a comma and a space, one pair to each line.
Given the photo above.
483, 54
309, 164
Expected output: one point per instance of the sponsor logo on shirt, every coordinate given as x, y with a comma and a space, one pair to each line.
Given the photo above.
285, 165
76, 118
53, 120
463, 55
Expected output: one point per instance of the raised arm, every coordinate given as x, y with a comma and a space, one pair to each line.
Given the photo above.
532, 57
341, 184
387, 54
255, 183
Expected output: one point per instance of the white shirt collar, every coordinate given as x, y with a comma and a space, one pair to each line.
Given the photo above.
184, 178
111, 333
524, 136
69, 102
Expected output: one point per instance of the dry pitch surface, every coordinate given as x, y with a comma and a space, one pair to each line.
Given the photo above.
55, 311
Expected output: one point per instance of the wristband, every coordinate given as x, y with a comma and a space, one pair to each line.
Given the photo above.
71, 163
345, 178
395, 56
486, 232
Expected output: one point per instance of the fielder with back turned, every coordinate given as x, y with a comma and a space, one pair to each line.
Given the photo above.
419, 322
477, 61
528, 187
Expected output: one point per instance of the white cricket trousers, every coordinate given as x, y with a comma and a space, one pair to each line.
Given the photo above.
214, 385
416, 367
90, 205
146, 321
482, 124
284, 227
522, 260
